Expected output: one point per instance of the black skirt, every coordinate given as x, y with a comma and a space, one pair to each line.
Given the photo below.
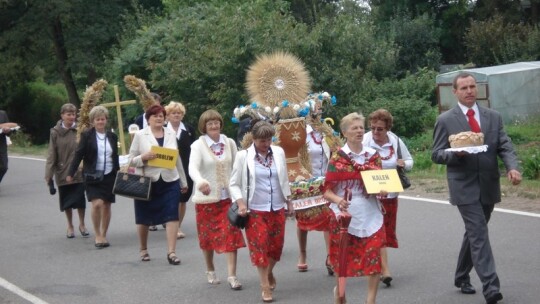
103, 189
72, 196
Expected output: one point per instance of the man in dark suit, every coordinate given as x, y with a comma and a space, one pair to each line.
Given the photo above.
474, 182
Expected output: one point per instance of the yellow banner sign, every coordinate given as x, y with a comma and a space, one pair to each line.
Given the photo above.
165, 157
377, 180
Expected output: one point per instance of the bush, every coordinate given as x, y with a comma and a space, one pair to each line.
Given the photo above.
530, 162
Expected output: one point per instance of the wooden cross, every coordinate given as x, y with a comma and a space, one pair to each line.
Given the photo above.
117, 103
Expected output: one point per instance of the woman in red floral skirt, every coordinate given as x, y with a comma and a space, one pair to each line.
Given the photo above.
259, 184
387, 144
210, 165
366, 231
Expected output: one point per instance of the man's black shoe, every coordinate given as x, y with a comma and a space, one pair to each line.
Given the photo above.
467, 288
493, 299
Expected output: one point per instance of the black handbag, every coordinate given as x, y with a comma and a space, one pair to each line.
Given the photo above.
405, 181
232, 214
93, 178
133, 185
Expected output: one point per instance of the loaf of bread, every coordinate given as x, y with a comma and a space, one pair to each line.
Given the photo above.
466, 139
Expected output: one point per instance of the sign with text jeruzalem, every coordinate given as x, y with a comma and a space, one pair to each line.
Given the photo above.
377, 180
165, 157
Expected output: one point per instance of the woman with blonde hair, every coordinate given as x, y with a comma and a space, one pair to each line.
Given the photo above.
98, 150
210, 165
185, 136
346, 191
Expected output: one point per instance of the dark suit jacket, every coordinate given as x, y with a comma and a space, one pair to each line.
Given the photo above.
87, 151
473, 177
3, 145
184, 148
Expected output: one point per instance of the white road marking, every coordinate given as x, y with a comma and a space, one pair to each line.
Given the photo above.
448, 203
21, 293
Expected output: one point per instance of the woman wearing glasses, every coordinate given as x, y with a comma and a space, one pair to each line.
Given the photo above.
386, 144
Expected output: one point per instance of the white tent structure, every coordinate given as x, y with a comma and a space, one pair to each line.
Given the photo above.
511, 89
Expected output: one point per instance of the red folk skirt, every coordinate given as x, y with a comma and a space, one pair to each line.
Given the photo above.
363, 254
318, 218
214, 230
265, 232
390, 205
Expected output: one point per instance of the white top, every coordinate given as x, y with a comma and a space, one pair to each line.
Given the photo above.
267, 194
179, 131
207, 168
318, 152
239, 180
218, 148
384, 151
104, 153
366, 213
142, 142
464, 109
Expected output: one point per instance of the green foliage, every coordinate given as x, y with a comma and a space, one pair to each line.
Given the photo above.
530, 162
507, 42
36, 107
417, 40
422, 160
200, 54
409, 100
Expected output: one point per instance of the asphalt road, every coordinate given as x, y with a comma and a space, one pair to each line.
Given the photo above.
38, 264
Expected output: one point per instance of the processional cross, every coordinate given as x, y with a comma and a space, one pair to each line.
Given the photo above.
117, 103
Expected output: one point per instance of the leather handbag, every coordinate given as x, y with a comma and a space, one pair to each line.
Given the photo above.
133, 185
93, 178
405, 181
232, 214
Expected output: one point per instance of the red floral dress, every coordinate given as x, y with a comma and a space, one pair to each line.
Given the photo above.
362, 253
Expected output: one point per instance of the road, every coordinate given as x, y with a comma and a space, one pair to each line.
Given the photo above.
39, 265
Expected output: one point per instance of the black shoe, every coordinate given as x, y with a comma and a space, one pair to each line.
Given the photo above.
386, 280
466, 288
493, 299
173, 259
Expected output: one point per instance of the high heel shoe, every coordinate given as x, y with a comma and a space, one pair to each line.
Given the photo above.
172, 258
266, 294
329, 267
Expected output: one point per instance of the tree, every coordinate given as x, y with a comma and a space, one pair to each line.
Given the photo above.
77, 34
507, 42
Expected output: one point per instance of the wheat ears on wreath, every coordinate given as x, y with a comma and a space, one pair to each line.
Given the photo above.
138, 86
92, 96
